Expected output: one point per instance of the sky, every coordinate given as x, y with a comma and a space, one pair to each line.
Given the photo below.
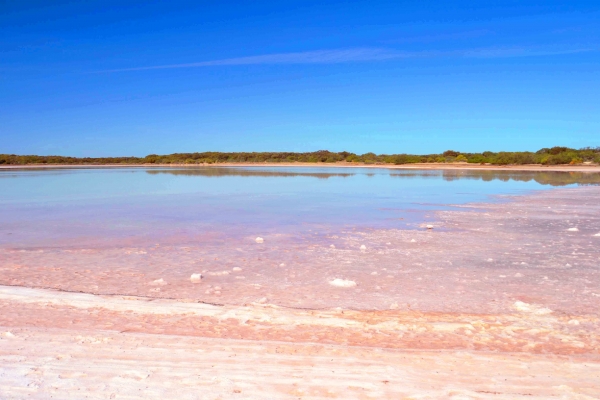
131, 78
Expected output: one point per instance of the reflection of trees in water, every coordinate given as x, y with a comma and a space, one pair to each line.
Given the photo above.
553, 178
219, 172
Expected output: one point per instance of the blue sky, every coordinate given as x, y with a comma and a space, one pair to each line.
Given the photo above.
107, 78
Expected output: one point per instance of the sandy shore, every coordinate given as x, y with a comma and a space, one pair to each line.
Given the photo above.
498, 301
426, 166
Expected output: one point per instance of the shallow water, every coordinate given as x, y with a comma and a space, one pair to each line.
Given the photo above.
90, 206
144, 231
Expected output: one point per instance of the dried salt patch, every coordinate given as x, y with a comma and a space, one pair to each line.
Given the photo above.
236, 269
531, 308
573, 322
220, 273
573, 230
363, 247
342, 283
158, 282
8, 334
259, 240
518, 275
195, 278
429, 226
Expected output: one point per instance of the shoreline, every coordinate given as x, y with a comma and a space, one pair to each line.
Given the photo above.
417, 166
504, 317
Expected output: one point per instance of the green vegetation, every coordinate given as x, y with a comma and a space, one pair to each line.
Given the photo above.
546, 156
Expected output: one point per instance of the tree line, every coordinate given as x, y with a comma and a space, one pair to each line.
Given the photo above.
545, 156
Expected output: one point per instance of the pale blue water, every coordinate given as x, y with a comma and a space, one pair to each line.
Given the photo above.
40, 207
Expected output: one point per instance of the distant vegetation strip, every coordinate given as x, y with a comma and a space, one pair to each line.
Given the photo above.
546, 156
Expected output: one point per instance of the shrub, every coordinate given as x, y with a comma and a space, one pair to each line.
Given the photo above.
576, 160
476, 159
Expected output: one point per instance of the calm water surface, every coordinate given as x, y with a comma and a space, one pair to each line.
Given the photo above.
61, 206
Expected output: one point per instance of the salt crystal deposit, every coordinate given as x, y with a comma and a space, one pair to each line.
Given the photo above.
531, 308
342, 283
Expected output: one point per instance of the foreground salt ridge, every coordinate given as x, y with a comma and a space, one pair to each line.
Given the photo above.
107, 365
530, 329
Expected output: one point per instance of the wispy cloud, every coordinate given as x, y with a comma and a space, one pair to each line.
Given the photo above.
362, 55
509, 52
305, 57
442, 36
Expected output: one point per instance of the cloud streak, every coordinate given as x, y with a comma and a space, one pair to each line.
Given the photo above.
510, 52
305, 57
361, 55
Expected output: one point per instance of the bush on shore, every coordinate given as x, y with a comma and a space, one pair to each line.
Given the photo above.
545, 156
